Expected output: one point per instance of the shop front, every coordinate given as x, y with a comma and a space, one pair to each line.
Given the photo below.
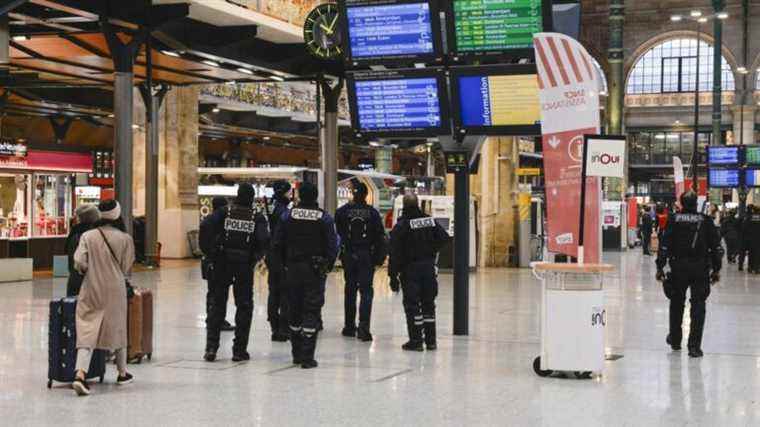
37, 201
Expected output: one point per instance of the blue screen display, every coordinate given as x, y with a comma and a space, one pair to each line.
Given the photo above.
475, 101
398, 104
752, 178
390, 30
723, 155
724, 178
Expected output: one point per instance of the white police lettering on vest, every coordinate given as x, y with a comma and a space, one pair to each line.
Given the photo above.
306, 214
422, 223
243, 226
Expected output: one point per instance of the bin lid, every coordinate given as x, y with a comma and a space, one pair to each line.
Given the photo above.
573, 268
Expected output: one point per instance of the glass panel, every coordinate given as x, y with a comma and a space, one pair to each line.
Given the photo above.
672, 146
687, 146
670, 74
52, 205
14, 217
658, 149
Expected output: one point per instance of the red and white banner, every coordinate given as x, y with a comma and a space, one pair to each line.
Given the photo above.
569, 91
49, 161
678, 177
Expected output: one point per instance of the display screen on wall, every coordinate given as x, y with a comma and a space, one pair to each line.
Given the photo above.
399, 103
723, 155
499, 100
724, 178
391, 30
487, 27
752, 178
752, 155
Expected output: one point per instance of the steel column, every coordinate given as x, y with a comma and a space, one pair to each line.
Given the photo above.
329, 145
123, 120
461, 252
717, 137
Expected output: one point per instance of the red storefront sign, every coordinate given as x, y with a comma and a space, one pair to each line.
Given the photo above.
50, 161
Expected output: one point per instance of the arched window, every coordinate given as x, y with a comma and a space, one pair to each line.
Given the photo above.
602, 77
671, 66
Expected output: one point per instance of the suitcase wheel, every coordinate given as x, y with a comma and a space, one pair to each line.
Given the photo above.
537, 368
50, 383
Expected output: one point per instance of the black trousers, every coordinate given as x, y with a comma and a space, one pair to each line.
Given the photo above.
358, 272
74, 283
210, 295
420, 286
692, 275
646, 241
241, 278
306, 295
277, 303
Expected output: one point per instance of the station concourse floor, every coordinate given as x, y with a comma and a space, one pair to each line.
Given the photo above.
483, 379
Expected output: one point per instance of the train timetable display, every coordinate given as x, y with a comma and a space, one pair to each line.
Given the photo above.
398, 103
752, 178
389, 30
496, 25
724, 178
752, 154
510, 100
724, 155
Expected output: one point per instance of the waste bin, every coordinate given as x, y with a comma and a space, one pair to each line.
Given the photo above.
573, 318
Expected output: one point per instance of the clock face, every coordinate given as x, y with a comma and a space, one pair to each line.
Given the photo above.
322, 33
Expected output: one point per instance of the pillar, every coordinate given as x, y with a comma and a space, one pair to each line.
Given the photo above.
329, 145
384, 159
718, 5
615, 188
123, 100
430, 161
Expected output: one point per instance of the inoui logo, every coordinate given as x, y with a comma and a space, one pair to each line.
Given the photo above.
605, 158
598, 316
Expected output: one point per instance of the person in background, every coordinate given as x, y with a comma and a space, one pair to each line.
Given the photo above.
277, 303
751, 236
744, 243
86, 216
661, 220
104, 256
729, 230
208, 247
645, 229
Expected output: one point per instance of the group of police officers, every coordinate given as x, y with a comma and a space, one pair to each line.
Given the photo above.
301, 243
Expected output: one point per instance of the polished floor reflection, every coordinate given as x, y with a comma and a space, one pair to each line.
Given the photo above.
483, 379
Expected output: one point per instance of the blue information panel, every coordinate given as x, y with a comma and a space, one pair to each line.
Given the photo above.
724, 178
390, 30
402, 104
752, 178
723, 155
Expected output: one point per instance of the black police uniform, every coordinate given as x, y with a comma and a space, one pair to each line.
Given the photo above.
752, 241
306, 244
415, 242
646, 232
277, 303
207, 243
691, 245
363, 244
243, 236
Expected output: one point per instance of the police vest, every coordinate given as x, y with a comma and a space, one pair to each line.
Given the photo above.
304, 234
358, 227
689, 236
421, 242
239, 229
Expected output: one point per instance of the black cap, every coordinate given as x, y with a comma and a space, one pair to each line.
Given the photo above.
689, 201
245, 194
280, 187
218, 202
360, 191
308, 193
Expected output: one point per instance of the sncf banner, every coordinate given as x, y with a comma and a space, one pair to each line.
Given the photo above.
678, 177
569, 92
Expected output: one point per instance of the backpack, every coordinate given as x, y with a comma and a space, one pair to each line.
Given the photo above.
357, 230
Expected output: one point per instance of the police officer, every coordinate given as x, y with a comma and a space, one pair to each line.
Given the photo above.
242, 236
277, 304
744, 242
691, 245
415, 242
206, 239
752, 239
306, 246
363, 246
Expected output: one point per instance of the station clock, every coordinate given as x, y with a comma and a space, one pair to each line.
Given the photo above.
323, 33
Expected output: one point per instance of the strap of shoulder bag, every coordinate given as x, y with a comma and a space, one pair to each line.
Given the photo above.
113, 254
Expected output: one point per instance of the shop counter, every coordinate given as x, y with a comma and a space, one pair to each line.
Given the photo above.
41, 249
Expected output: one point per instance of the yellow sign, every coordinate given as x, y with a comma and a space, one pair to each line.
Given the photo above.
528, 171
523, 201
514, 100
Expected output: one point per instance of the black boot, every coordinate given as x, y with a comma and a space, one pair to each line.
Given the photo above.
430, 340
309, 348
415, 337
296, 341
674, 345
363, 333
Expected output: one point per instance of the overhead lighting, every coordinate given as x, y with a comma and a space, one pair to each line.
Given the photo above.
702, 20
676, 18
210, 63
110, 116
231, 82
277, 78
245, 70
375, 144
135, 127
695, 13
21, 38
170, 53
742, 70
722, 15
267, 138
216, 110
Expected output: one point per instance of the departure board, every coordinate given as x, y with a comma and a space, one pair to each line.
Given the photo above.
752, 154
723, 155
496, 25
401, 102
499, 100
752, 178
724, 178
390, 30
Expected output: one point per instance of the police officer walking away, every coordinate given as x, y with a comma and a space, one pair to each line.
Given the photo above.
415, 242
751, 238
691, 245
242, 236
305, 246
645, 228
363, 246
206, 240
277, 304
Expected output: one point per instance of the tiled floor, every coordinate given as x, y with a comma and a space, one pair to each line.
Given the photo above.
483, 379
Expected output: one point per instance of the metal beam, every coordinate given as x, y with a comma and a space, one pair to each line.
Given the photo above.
8, 5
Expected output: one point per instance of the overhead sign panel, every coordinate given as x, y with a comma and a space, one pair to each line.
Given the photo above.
498, 100
723, 155
724, 178
388, 30
399, 103
493, 27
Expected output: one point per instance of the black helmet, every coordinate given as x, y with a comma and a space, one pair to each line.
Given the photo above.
308, 193
218, 202
245, 194
360, 191
280, 187
689, 201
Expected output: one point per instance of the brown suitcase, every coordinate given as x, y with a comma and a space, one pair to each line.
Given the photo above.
140, 326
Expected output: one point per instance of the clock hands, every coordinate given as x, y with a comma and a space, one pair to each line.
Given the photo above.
331, 29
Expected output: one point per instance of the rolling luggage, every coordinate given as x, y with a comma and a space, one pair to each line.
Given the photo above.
140, 326
62, 342
193, 239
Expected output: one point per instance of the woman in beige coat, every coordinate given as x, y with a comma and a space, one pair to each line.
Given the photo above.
104, 256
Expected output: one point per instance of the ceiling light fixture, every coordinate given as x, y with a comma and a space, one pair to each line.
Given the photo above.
21, 38
676, 18
722, 15
277, 78
170, 53
245, 71
216, 110
702, 20
742, 70
210, 63
695, 13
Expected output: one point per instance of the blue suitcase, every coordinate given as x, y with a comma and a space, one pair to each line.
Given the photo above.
62, 344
